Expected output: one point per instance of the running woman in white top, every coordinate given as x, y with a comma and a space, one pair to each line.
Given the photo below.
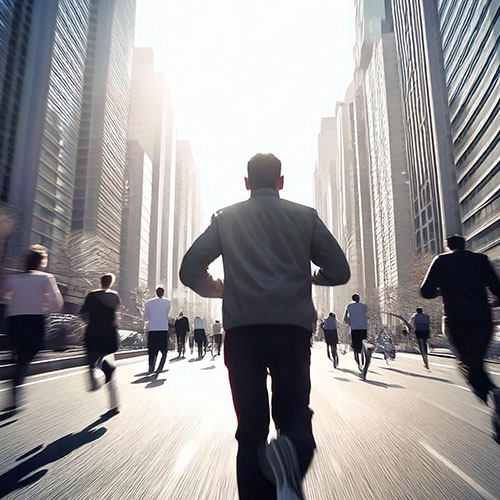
29, 297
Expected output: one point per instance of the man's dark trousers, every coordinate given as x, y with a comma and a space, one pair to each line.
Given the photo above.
470, 341
249, 352
181, 343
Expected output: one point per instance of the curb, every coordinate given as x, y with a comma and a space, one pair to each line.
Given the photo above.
49, 365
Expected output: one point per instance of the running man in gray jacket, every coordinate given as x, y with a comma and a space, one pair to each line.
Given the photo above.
267, 245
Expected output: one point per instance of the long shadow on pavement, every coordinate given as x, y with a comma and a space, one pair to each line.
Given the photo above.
5, 424
384, 385
418, 375
7, 415
16, 477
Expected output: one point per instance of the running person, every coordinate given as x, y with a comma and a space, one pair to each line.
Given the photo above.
329, 326
421, 324
181, 328
28, 296
461, 277
200, 336
217, 336
355, 316
101, 336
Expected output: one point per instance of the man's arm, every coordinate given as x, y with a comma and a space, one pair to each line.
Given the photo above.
347, 319
430, 287
328, 256
194, 268
491, 278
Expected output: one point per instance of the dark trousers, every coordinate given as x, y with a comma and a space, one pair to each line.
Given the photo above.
470, 343
218, 342
26, 336
200, 338
181, 343
157, 342
249, 353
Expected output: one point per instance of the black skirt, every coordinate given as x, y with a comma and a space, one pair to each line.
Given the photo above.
26, 333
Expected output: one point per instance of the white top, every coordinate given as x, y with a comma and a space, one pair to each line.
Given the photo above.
35, 292
199, 323
156, 314
355, 315
216, 329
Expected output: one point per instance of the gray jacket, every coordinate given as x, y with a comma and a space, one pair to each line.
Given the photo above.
267, 245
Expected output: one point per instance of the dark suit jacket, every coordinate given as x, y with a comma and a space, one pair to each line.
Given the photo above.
462, 278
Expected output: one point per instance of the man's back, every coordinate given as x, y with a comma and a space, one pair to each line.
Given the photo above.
100, 306
156, 313
421, 321
462, 278
267, 246
356, 314
182, 325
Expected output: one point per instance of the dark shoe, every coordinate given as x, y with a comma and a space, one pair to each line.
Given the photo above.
282, 458
108, 370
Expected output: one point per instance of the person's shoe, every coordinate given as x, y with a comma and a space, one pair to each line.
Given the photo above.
108, 370
494, 397
282, 458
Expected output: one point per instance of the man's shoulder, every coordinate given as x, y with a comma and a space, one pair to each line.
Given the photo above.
248, 204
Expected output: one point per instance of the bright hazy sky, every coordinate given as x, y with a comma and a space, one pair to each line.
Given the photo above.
250, 76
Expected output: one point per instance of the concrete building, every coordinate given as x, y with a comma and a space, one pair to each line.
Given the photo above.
431, 170
102, 146
469, 34
392, 229
42, 60
136, 223
326, 197
348, 203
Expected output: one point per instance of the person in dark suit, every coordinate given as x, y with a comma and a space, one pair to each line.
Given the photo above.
462, 277
101, 336
181, 328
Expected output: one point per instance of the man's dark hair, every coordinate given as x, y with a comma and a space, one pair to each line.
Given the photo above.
107, 280
455, 242
420, 310
34, 257
355, 297
332, 315
264, 171
160, 291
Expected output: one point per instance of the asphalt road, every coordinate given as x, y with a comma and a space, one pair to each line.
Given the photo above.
404, 434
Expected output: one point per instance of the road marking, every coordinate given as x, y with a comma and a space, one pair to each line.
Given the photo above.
461, 387
49, 379
475, 486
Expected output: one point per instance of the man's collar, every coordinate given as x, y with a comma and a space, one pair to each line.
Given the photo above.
265, 192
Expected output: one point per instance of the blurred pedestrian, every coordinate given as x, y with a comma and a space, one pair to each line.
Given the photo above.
356, 317
329, 326
421, 325
156, 322
217, 336
462, 278
181, 328
267, 245
200, 336
29, 297
101, 336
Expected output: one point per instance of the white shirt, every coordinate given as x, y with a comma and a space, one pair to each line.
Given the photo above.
35, 292
156, 314
216, 329
355, 315
199, 323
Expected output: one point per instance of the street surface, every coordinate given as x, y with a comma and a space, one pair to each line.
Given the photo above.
404, 434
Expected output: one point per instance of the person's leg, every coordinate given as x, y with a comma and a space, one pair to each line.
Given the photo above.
357, 345
244, 354
471, 343
289, 364
152, 353
422, 345
108, 367
179, 344
183, 344
164, 351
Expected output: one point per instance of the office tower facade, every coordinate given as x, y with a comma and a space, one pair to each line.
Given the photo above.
136, 223
392, 229
470, 43
325, 198
349, 218
431, 170
102, 146
42, 83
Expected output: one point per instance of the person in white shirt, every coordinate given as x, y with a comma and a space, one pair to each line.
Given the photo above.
156, 318
29, 297
200, 336
355, 316
217, 336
